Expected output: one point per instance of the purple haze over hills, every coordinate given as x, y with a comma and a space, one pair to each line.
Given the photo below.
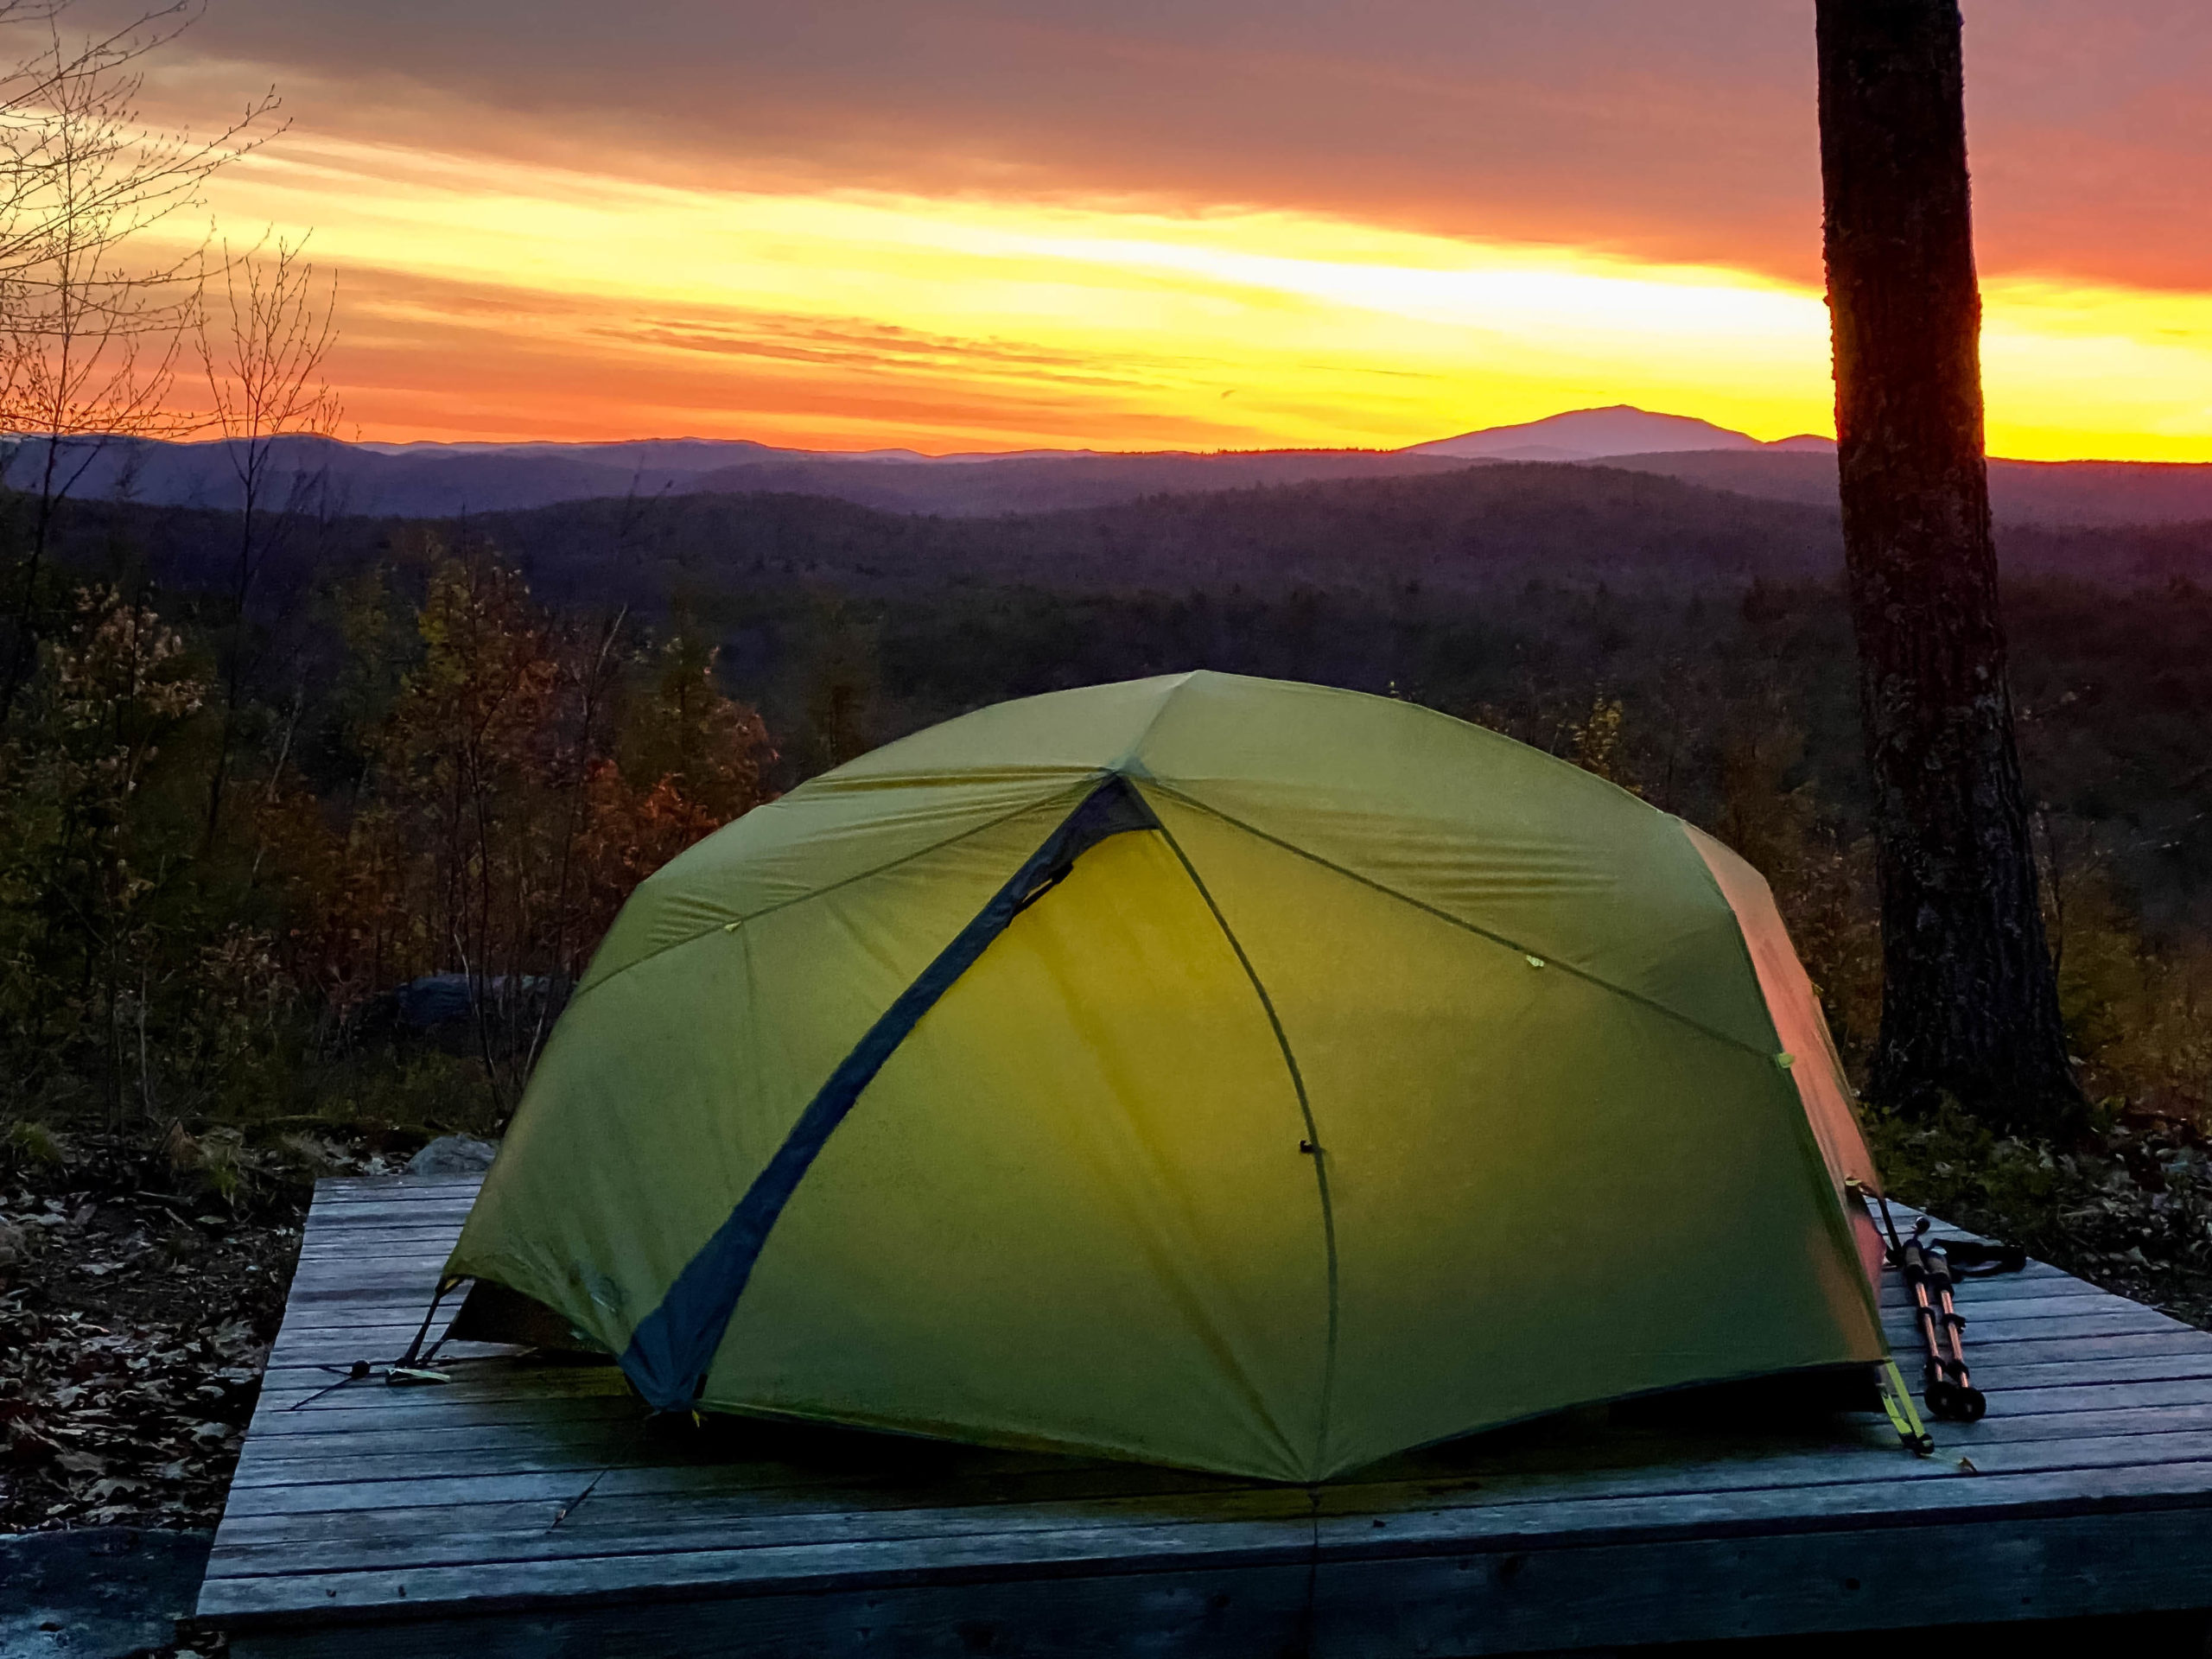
444, 480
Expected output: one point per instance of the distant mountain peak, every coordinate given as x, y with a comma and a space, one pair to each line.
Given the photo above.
1589, 435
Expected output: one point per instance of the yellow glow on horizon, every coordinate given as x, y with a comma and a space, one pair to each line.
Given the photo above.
496, 300
2077, 371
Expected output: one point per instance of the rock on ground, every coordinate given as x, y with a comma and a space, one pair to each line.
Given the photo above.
453, 1154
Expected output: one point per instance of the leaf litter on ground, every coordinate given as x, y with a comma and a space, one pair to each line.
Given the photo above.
136, 1321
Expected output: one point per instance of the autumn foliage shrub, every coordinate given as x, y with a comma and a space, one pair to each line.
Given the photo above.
452, 779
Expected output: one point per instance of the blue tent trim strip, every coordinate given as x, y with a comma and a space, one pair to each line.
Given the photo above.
671, 1349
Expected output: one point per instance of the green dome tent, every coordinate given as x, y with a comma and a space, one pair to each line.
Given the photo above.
1208, 1070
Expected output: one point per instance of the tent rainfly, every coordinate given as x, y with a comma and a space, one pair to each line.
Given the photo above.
1207, 1071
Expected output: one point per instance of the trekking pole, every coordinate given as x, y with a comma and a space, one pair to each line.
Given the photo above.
1926, 1269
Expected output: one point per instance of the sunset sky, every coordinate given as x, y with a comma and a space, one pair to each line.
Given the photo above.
963, 225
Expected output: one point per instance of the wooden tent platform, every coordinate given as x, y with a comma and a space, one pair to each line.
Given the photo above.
452, 1520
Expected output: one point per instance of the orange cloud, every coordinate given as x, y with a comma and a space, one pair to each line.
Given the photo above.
981, 222
1676, 134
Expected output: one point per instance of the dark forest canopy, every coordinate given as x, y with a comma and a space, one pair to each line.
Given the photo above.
1465, 530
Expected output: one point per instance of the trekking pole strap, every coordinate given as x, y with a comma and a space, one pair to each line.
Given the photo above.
1897, 1404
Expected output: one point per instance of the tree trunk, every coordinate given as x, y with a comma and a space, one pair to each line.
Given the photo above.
1970, 1000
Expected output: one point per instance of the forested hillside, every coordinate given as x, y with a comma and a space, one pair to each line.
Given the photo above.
2021, 493
320, 474
1469, 530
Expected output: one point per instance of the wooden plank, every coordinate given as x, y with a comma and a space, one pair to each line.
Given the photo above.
981, 1492
2093, 1396
313, 1343
1514, 1601
2017, 1421
395, 1264
407, 1231
396, 1294
389, 1323
1235, 1612
505, 1379
413, 1244
392, 1207
786, 1525
583, 1443
956, 1475
586, 1433
328, 1218
1286, 1536
296, 1370
1477, 1604
326, 1222
335, 1192
364, 1321
1999, 1317
550, 1488
843, 1567
408, 1418
2024, 1364
388, 1294
1982, 1317
2127, 1321
334, 1209
1983, 1293
1816, 1482
618, 1528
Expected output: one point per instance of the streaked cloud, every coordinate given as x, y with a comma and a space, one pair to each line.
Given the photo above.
1025, 221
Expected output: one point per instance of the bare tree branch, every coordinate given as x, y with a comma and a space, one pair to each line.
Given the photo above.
263, 359
94, 311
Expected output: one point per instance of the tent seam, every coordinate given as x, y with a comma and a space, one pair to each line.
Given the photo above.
1320, 1152
1129, 756
1808, 1141
1480, 932
1088, 782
